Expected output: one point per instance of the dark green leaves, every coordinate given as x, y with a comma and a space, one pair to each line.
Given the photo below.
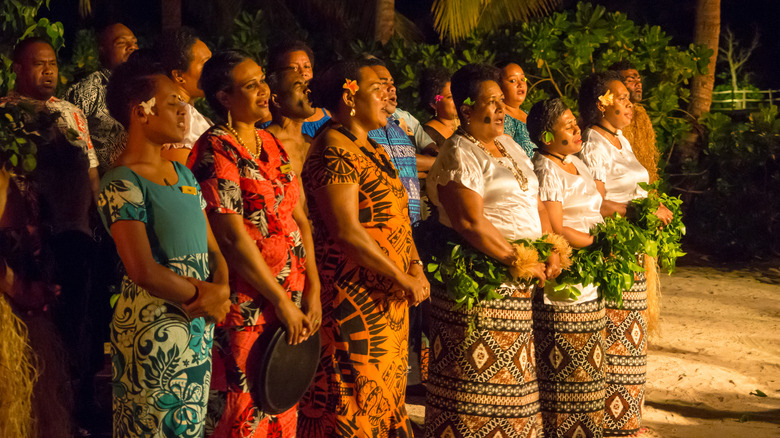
661, 241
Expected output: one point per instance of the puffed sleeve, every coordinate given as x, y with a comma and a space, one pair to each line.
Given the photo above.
121, 198
459, 164
550, 183
596, 157
215, 166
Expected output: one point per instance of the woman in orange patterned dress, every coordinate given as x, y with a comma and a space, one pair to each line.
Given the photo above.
368, 264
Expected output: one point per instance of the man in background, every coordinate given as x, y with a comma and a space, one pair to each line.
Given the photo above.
640, 131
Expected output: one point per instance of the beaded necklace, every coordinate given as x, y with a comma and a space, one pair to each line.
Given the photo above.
258, 142
515, 169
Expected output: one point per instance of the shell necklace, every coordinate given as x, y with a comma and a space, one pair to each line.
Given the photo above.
515, 169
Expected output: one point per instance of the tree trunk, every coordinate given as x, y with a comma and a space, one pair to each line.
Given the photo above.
4, 182
171, 15
385, 20
707, 32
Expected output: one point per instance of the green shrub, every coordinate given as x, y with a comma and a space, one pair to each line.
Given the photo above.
737, 213
557, 53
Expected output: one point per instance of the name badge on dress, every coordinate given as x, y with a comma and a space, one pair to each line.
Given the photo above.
286, 168
189, 190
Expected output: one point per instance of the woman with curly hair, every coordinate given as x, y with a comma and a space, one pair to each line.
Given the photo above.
482, 381
253, 204
568, 330
605, 108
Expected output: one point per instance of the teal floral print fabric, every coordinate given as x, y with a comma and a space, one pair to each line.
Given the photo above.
519, 133
161, 359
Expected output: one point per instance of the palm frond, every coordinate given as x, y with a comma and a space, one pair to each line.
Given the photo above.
406, 29
456, 19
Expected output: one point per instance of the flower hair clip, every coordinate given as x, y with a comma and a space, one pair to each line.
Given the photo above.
438, 98
607, 98
468, 101
351, 85
547, 136
148, 105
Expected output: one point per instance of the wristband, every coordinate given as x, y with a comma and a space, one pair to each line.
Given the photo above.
194, 297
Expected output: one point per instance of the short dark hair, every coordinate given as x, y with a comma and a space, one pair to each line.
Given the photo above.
327, 88
466, 81
277, 53
432, 82
542, 117
592, 87
131, 83
216, 77
175, 49
372, 61
621, 65
21, 47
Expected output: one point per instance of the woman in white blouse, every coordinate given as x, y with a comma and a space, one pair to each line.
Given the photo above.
568, 331
605, 109
484, 188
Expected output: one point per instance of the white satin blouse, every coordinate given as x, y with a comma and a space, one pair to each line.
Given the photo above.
581, 203
617, 168
513, 211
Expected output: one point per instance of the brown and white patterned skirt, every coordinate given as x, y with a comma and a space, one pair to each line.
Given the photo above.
482, 381
626, 341
570, 359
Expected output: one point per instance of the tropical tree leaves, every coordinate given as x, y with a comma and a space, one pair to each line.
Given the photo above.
456, 19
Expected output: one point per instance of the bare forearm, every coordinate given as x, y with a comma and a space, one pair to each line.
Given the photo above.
577, 239
424, 162
163, 283
312, 276
244, 257
484, 236
608, 208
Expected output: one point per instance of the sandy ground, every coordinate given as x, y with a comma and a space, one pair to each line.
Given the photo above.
719, 342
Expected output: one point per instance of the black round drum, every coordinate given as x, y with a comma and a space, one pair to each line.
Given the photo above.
279, 374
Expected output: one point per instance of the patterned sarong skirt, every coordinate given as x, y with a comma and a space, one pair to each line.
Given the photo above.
482, 380
626, 340
570, 359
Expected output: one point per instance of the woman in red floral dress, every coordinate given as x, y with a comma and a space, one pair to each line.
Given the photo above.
253, 206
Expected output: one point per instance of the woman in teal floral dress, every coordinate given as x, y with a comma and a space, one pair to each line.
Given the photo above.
162, 329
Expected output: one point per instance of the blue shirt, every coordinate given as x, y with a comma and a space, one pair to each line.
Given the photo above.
519, 133
403, 155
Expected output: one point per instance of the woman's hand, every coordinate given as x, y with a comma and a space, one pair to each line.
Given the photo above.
664, 214
553, 265
294, 320
213, 300
313, 308
537, 272
415, 288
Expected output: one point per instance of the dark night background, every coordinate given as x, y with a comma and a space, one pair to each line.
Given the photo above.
675, 17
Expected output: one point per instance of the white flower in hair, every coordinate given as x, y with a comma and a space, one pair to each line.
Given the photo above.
148, 105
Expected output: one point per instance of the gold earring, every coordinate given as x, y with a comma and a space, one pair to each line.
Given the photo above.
352, 112
229, 120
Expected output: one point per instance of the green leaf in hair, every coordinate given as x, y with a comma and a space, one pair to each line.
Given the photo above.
547, 136
468, 101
